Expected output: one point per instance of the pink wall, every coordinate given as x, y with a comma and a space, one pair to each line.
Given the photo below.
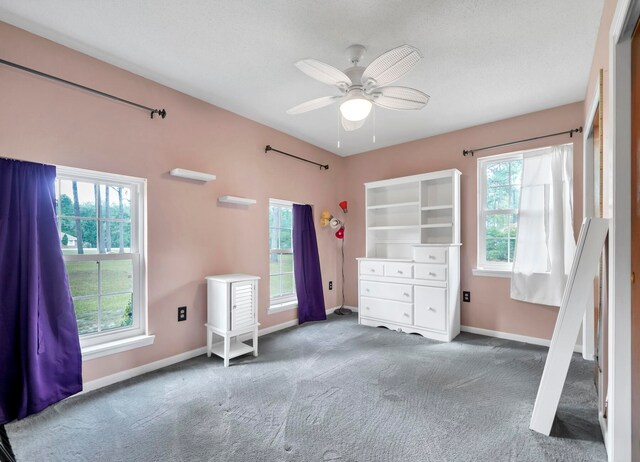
491, 306
189, 234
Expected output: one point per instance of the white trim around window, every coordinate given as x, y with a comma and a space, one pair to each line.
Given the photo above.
287, 301
484, 267
99, 344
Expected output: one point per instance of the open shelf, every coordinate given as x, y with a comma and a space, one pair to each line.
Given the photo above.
436, 207
438, 225
413, 210
387, 228
235, 349
388, 206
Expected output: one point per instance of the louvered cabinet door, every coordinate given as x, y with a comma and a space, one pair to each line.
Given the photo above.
243, 302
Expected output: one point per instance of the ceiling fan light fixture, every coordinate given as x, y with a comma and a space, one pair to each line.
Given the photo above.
356, 106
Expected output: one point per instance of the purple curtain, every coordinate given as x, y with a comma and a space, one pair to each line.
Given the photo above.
306, 264
40, 360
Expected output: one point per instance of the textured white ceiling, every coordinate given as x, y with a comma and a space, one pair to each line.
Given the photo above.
483, 60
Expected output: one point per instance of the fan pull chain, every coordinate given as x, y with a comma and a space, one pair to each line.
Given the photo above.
338, 128
374, 125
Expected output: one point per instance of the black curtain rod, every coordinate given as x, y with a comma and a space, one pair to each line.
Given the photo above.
161, 112
269, 148
570, 132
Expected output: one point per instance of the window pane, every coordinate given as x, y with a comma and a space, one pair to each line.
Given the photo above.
497, 226
286, 217
512, 249
83, 277
287, 284
514, 197
117, 276
80, 198
287, 263
119, 200
87, 315
497, 250
116, 237
516, 171
81, 236
273, 238
116, 311
274, 216
513, 226
274, 263
275, 286
498, 174
498, 197
285, 239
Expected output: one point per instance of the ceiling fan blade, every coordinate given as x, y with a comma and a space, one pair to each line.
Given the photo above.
324, 73
350, 125
390, 66
400, 98
313, 104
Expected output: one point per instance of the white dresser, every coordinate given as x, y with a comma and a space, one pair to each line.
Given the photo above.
232, 301
410, 279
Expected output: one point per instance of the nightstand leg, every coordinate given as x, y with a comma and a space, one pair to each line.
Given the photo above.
255, 341
227, 346
209, 341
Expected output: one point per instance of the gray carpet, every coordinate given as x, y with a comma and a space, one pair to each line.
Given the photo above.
330, 391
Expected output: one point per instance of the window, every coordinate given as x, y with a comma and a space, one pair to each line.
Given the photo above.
498, 202
101, 227
281, 280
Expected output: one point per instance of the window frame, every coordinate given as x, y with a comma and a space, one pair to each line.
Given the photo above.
482, 265
282, 302
107, 342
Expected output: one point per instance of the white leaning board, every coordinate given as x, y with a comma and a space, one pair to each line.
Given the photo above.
572, 309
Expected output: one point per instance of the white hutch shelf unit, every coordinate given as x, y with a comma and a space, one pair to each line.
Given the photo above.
410, 278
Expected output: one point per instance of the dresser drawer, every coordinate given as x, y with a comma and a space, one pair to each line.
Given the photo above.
386, 310
430, 308
398, 270
372, 268
430, 254
430, 272
389, 291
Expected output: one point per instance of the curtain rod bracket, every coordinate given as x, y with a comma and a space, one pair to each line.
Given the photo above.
268, 148
466, 152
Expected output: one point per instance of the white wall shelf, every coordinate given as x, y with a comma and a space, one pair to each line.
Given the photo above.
236, 200
192, 175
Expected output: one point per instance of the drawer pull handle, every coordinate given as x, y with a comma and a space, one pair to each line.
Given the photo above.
406, 315
399, 271
432, 257
432, 309
367, 290
373, 270
367, 308
432, 274
406, 294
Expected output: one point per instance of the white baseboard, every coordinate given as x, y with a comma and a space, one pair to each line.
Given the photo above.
136, 371
515, 337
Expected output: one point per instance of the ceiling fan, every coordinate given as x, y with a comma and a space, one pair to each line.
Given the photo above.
361, 87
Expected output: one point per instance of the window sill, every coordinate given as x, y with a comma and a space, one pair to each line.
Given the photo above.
280, 307
491, 273
117, 346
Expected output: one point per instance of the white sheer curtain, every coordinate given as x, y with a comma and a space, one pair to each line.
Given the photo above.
544, 244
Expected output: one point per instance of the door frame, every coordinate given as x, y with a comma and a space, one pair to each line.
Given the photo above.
588, 206
618, 437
